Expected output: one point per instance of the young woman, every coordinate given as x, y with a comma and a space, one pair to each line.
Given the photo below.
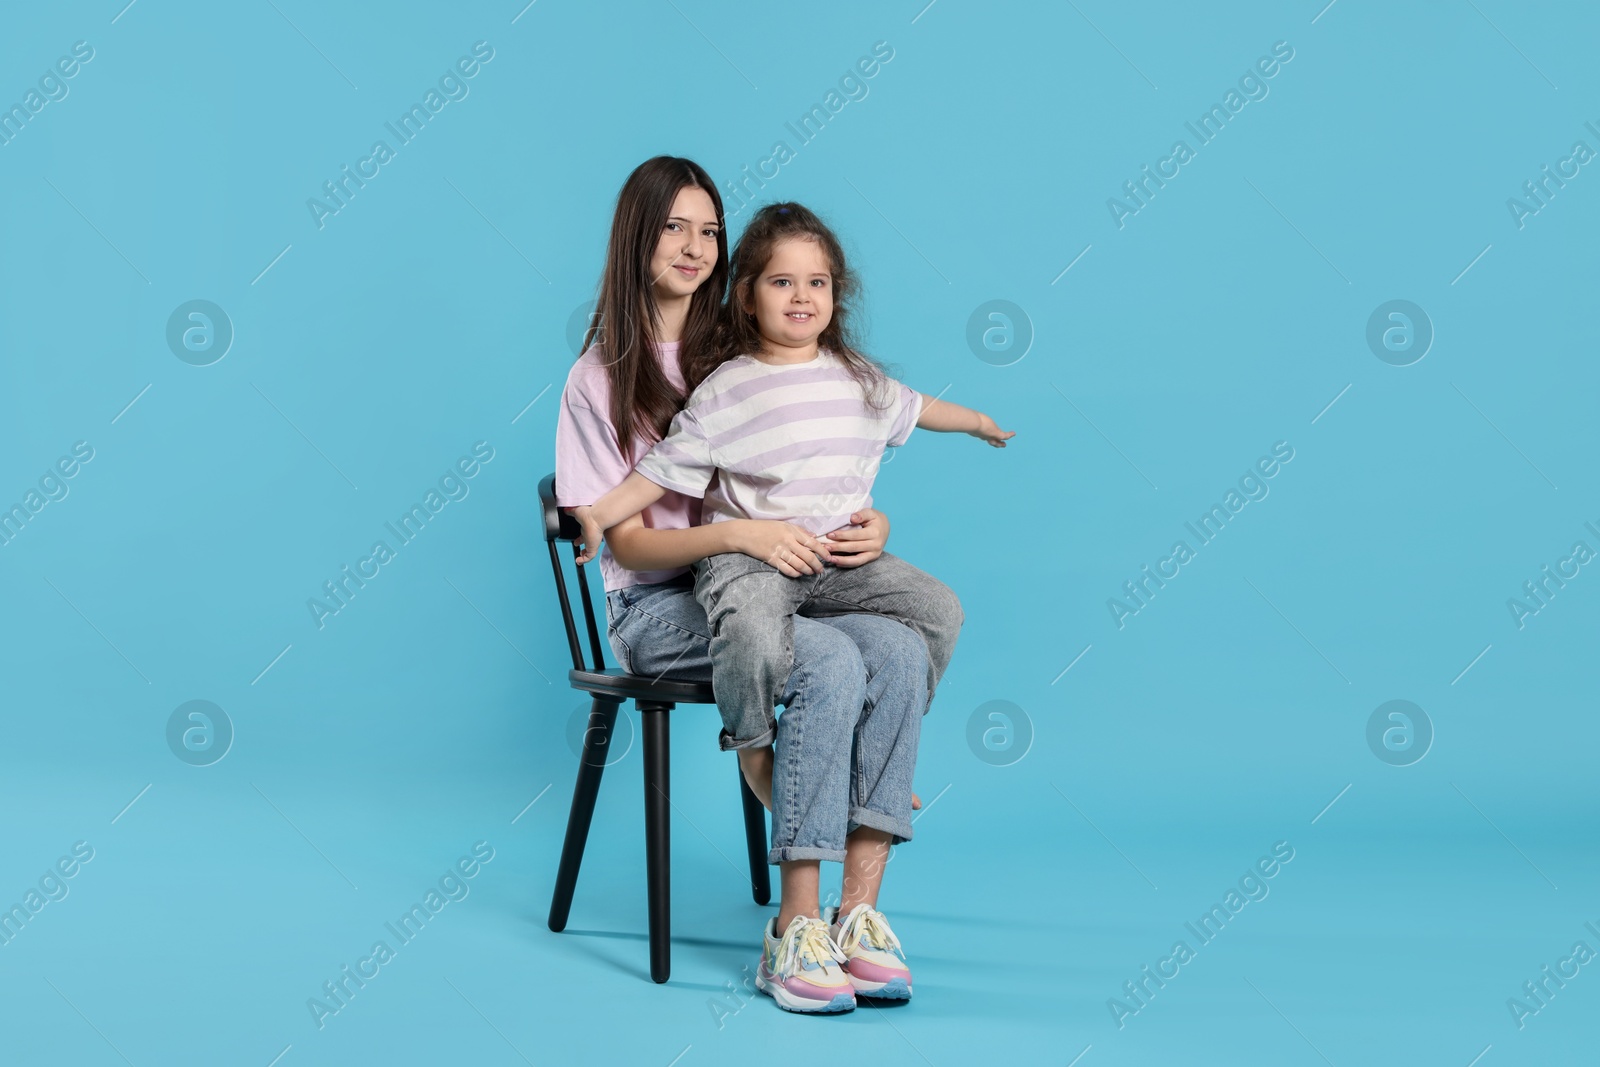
858, 688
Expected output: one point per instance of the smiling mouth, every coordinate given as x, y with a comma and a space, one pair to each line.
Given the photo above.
689, 271
799, 316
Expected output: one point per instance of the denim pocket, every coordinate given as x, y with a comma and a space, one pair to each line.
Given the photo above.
618, 609
620, 649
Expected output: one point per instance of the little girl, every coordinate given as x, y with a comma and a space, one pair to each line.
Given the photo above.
790, 425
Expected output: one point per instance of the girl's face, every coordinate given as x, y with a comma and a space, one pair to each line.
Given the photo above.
687, 248
792, 299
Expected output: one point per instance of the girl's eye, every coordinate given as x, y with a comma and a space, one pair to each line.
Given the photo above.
673, 226
711, 234
780, 281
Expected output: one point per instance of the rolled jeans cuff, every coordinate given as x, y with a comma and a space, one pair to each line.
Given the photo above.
804, 852
762, 740
899, 829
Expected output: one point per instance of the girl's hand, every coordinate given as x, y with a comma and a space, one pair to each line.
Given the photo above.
862, 542
592, 534
789, 548
988, 431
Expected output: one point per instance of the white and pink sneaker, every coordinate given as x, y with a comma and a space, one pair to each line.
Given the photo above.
869, 948
800, 970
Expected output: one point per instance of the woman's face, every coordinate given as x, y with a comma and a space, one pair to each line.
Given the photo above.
687, 248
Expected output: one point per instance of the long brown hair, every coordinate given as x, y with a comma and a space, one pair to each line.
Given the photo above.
626, 317
737, 333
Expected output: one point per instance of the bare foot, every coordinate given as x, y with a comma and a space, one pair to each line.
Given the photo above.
756, 765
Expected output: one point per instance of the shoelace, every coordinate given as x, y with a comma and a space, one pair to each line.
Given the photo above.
867, 926
806, 939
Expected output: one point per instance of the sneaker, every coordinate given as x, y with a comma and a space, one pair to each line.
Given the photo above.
800, 970
869, 947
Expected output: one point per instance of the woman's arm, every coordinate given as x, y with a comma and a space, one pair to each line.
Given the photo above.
641, 548
941, 416
789, 548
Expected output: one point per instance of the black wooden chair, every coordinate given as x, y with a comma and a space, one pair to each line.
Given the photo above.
609, 687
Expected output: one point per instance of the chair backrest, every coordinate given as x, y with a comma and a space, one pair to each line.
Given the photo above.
559, 526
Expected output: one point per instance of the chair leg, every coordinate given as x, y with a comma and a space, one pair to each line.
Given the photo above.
755, 840
596, 743
658, 834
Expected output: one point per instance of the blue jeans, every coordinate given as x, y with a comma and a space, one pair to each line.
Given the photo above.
853, 704
751, 607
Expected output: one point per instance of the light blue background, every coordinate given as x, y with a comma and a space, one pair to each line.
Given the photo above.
429, 313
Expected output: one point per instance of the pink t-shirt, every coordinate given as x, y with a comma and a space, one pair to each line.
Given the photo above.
590, 463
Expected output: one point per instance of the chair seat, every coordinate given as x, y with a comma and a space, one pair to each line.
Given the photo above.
622, 685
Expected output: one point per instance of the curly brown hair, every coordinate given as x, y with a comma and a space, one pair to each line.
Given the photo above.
737, 333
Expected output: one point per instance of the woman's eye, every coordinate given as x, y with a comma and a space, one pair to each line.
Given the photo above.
673, 226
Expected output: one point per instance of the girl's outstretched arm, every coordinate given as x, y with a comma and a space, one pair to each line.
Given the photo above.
631, 497
941, 416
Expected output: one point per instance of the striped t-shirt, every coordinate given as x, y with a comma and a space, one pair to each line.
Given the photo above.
797, 442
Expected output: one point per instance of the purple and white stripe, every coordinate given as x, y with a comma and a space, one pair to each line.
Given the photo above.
798, 442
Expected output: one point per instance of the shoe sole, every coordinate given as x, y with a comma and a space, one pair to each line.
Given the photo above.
801, 1005
894, 989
